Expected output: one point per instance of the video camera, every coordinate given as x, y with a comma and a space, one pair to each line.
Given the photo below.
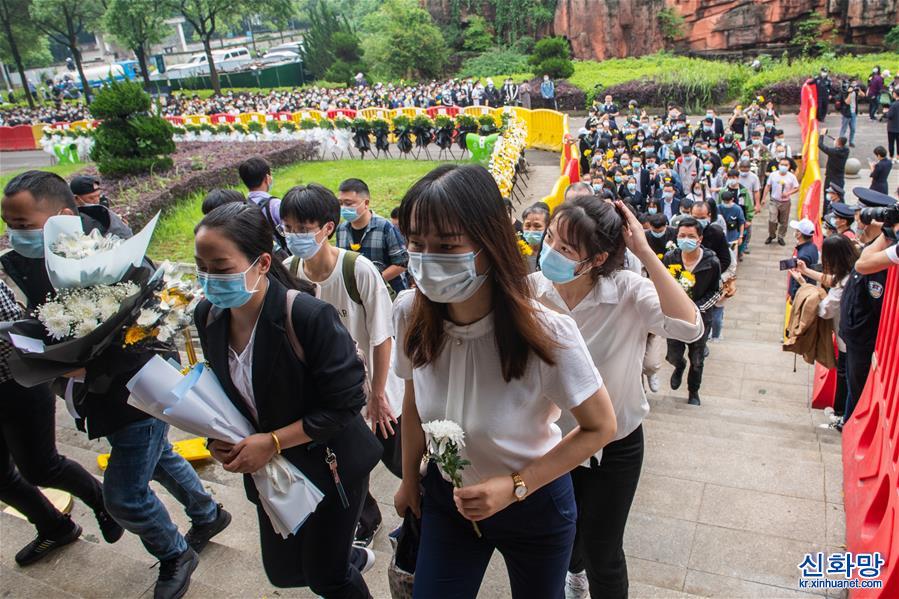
888, 216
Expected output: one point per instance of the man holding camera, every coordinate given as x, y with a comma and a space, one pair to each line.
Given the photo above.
849, 110
863, 293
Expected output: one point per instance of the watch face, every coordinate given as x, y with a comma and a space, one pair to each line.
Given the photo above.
521, 491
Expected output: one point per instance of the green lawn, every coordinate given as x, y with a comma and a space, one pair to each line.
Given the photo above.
388, 180
63, 170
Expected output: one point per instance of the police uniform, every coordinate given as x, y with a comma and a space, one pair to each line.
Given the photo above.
860, 309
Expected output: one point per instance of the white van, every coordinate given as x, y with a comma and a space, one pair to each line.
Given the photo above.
226, 59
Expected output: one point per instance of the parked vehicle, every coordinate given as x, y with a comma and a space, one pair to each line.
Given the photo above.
226, 59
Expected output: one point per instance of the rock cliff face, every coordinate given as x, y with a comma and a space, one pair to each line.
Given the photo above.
616, 28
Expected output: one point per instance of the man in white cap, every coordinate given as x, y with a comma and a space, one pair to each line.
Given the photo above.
781, 186
806, 250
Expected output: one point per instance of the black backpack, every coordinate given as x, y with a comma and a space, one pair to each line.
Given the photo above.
279, 251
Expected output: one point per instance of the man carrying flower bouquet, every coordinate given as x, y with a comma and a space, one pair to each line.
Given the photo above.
140, 448
698, 270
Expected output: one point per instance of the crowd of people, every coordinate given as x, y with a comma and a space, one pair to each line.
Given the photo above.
339, 333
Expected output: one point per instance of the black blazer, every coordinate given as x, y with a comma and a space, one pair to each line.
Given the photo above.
325, 391
879, 175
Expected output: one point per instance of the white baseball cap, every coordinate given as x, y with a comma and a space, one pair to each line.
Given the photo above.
804, 226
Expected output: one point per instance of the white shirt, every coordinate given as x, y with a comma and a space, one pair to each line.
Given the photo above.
369, 324
782, 183
240, 366
829, 309
507, 425
615, 319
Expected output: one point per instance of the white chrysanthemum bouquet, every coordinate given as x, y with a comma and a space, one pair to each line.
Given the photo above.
168, 311
80, 245
445, 438
74, 313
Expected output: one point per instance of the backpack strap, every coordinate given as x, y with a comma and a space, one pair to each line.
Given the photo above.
294, 266
348, 269
265, 206
292, 338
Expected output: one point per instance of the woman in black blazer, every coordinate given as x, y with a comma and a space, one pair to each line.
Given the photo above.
305, 402
880, 170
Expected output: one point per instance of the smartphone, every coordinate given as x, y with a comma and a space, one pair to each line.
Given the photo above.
788, 264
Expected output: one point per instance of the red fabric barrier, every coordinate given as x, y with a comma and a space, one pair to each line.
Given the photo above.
221, 118
573, 170
435, 111
20, 137
281, 116
344, 112
175, 120
871, 455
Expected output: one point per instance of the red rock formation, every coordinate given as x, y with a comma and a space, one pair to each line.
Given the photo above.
616, 28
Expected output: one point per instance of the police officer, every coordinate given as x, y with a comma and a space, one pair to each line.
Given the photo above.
844, 219
860, 311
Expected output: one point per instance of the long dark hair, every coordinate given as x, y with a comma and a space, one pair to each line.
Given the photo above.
838, 256
594, 226
246, 227
465, 200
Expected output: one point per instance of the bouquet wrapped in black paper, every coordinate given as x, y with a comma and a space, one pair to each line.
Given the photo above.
402, 128
361, 131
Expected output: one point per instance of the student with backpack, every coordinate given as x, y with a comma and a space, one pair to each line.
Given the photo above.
256, 174
352, 284
291, 368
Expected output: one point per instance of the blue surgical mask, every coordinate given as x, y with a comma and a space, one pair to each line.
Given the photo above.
446, 278
703, 221
657, 234
597, 187
533, 237
625, 162
686, 244
28, 242
652, 210
348, 213
303, 245
556, 267
617, 178
667, 195
783, 169
632, 187
227, 290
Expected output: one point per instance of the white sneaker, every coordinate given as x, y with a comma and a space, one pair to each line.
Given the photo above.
369, 559
653, 380
576, 585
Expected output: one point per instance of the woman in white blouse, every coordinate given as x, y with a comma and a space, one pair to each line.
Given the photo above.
474, 347
581, 276
838, 256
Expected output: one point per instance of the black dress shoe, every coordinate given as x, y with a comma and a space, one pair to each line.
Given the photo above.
111, 530
44, 545
199, 535
694, 399
780, 241
677, 376
769, 241
174, 575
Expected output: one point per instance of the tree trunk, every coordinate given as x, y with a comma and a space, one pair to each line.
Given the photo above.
213, 71
17, 58
141, 55
76, 56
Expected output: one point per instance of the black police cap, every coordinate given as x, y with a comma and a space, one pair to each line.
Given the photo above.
843, 210
873, 199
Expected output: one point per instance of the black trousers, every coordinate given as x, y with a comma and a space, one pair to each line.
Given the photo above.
393, 459
28, 458
893, 143
696, 353
839, 397
858, 363
318, 556
604, 494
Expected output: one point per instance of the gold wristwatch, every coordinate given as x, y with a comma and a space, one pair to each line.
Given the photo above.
520, 489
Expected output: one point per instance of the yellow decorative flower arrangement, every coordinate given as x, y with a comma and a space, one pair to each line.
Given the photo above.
506, 153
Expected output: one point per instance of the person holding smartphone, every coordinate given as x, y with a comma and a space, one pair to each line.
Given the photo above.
474, 347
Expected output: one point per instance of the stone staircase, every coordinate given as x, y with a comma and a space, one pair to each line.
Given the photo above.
732, 495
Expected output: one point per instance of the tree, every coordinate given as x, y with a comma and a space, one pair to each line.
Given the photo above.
891, 39
348, 58
476, 37
813, 35
205, 16
137, 24
63, 21
325, 24
552, 56
671, 24
401, 40
22, 44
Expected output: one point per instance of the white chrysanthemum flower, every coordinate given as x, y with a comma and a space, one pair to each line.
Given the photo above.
107, 305
84, 327
165, 333
51, 310
441, 431
58, 327
82, 307
148, 318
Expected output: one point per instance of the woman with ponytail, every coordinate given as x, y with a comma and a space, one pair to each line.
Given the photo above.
301, 389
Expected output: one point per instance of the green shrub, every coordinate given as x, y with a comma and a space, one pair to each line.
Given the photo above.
306, 124
524, 45
476, 37
128, 140
891, 39
671, 23
487, 124
552, 56
273, 125
254, 127
495, 62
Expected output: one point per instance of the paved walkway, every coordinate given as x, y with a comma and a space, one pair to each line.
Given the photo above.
732, 496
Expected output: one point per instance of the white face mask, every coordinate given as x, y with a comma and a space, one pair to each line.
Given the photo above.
446, 278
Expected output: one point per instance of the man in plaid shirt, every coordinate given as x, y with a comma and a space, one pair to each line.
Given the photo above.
372, 236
